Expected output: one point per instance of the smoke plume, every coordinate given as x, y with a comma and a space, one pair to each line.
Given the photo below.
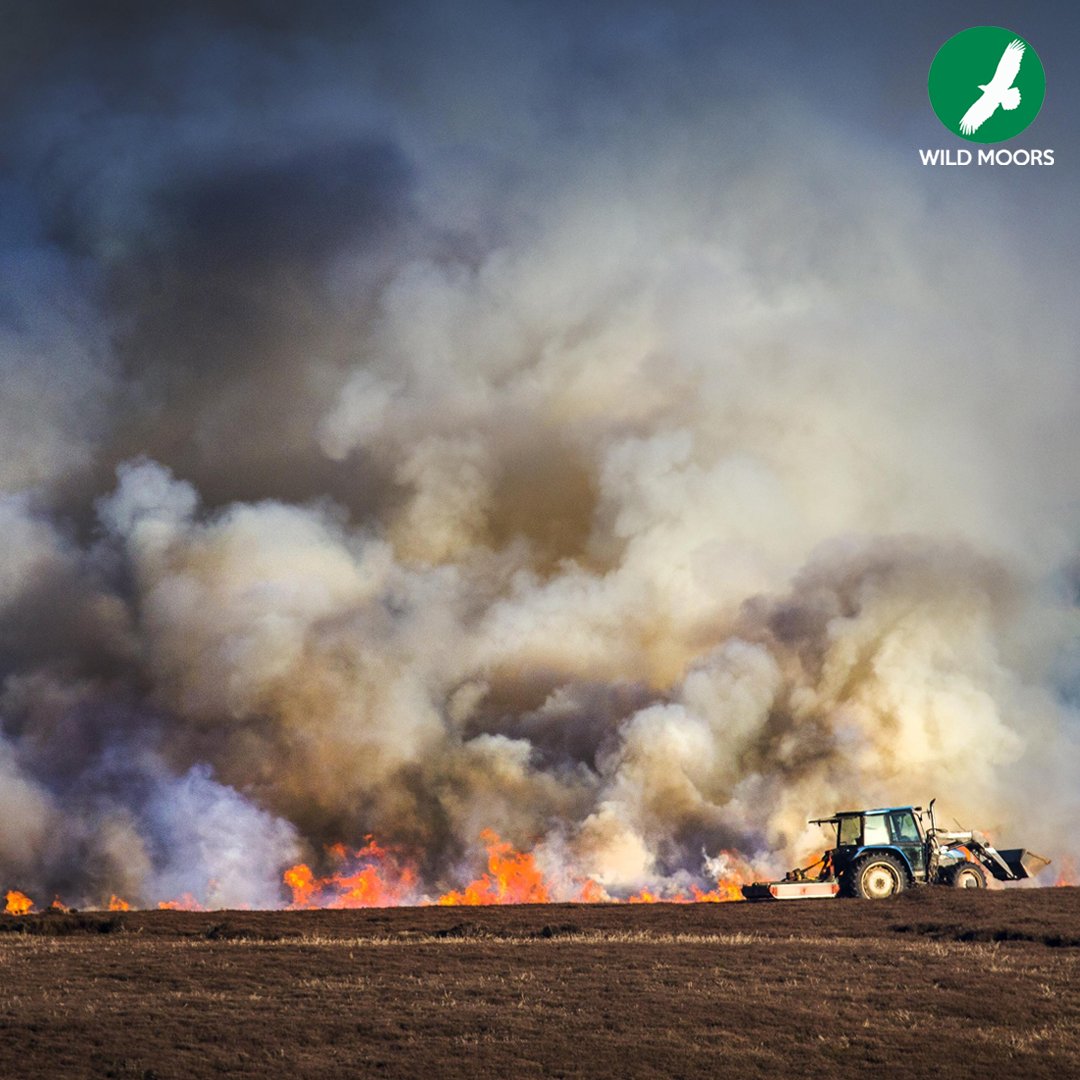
412, 425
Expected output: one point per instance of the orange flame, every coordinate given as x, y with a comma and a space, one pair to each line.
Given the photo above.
512, 878
647, 896
1067, 874
725, 891
376, 876
187, 902
592, 892
736, 870
18, 903
372, 876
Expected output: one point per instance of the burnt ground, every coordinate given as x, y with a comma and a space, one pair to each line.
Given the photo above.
933, 981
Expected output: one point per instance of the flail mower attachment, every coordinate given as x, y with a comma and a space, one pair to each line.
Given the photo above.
791, 890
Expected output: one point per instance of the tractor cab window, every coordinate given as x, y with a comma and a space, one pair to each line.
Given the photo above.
904, 828
874, 830
850, 830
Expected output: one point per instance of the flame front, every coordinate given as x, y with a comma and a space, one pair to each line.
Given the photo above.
18, 903
1067, 873
376, 876
512, 878
732, 873
379, 876
187, 902
592, 892
371, 876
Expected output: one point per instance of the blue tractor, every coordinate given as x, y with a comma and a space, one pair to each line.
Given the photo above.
879, 853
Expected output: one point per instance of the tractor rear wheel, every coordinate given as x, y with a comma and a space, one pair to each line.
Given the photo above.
967, 875
877, 877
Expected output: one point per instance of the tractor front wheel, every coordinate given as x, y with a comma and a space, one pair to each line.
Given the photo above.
877, 877
967, 875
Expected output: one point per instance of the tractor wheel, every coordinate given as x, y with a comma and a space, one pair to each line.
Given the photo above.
877, 877
967, 875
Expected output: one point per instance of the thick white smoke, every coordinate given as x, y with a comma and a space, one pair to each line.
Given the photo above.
637, 496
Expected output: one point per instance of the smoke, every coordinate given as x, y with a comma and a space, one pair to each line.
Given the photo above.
412, 427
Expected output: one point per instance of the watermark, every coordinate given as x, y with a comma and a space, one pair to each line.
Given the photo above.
963, 156
986, 85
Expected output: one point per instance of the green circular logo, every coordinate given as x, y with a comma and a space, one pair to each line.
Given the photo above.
986, 84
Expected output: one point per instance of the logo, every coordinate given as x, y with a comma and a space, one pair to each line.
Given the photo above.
986, 84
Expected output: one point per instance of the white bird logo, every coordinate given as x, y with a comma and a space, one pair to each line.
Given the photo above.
998, 91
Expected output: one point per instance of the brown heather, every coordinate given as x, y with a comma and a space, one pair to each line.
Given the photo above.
966, 983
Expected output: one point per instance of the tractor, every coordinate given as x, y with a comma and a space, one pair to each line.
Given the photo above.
879, 853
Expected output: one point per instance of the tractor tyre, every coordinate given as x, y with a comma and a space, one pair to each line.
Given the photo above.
877, 877
966, 875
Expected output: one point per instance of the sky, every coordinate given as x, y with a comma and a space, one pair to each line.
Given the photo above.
590, 422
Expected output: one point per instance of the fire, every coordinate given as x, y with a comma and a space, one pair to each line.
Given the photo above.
512, 878
302, 882
187, 902
377, 876
372, 876
733, 871
647, 896
18, 903
724, 892
592, 892
1067, 874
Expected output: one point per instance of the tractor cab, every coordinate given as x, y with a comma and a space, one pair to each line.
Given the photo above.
894, 835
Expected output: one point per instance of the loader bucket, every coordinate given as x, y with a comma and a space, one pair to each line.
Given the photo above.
1023, 863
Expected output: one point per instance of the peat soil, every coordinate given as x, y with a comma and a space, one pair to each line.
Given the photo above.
969, 983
